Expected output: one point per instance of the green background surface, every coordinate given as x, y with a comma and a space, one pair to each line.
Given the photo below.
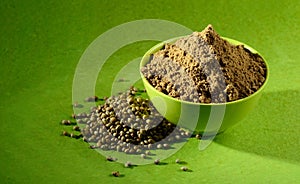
42, 42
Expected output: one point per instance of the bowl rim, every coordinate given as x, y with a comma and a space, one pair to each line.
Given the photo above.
158, 46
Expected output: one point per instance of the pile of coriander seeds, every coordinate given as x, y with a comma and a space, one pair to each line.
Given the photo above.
130, 124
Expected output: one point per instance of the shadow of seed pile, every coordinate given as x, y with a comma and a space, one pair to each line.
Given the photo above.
203, 67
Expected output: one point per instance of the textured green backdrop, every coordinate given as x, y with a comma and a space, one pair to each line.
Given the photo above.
42, 41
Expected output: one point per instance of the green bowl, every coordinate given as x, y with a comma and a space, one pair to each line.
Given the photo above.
202, 118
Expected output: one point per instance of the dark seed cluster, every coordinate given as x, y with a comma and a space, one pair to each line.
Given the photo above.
126, 123
129, 124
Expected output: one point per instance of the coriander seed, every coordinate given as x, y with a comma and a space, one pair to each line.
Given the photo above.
159, 146
65, 133
116, 173
128, 164
76, 128
111, 159
183, 168
143, 156
77, 105
66, 122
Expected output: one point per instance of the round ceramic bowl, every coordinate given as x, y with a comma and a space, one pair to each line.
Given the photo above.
202, 118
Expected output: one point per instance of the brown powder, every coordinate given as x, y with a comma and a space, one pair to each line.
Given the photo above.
203, 67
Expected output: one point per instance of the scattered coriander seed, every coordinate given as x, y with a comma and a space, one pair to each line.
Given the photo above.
73, 116
128, 164
145, 116
121, 80
116, 173
159, 146
66, 122
187, 133
95, 98
72, 135
143, 155
92, 146
113, 126
166, 145
111, 159
80, 121
198, 136
150, 146
77, 105
91, 99
156, 162
139, 99
76, 128
183, 168
93, 109
65, 133
138, 150
84, 139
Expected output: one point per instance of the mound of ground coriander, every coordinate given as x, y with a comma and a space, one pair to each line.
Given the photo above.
203, 67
